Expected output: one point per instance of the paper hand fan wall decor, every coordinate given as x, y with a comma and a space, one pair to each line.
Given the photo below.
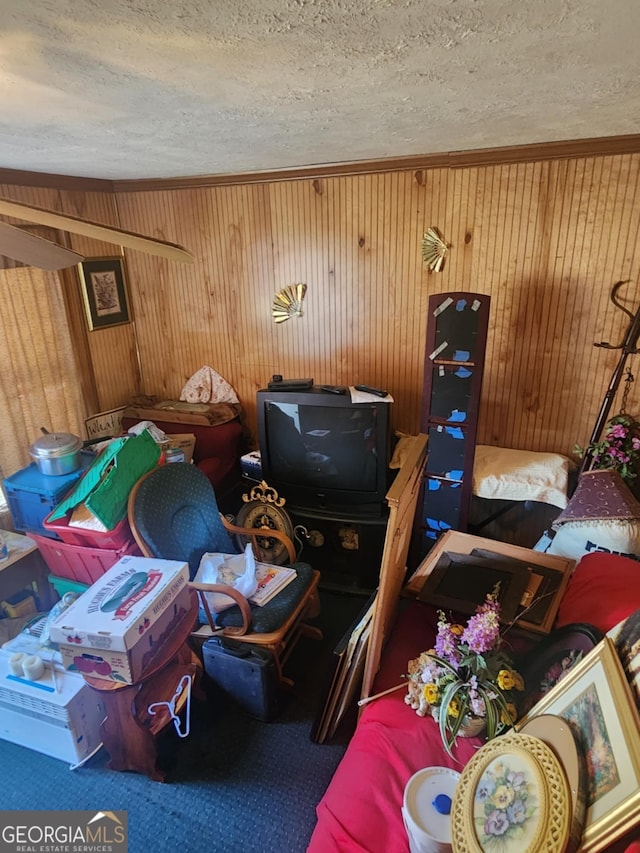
288, 302
434, 249
20, 245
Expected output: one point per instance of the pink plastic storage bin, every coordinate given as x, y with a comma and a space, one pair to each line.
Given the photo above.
77, 562
119, 537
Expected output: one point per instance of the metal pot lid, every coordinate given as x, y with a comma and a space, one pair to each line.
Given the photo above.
55, 444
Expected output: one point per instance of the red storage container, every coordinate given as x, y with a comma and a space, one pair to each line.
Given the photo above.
78, 562
119, 537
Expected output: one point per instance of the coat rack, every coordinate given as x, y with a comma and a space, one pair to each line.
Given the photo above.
628, 347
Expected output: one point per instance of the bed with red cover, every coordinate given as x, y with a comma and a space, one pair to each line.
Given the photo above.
361, 810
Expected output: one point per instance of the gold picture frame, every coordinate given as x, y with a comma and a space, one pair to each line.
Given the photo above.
525, 771
597, 702
104, 291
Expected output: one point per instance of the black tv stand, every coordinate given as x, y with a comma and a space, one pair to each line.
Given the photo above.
329, 548
347, 550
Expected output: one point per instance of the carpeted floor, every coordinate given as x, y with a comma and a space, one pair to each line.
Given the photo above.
234, 784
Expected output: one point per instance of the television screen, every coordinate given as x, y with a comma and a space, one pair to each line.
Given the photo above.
323, 452
322, 446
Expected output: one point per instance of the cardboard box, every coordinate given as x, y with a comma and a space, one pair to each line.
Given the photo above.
128, 666
118, 610
555, 572
251, 465
185, 442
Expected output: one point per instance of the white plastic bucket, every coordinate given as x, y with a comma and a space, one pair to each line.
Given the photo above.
424, 812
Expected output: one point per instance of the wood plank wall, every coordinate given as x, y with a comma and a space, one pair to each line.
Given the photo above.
108, 360
547, 240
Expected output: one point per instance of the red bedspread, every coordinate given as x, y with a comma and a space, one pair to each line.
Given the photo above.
360, 810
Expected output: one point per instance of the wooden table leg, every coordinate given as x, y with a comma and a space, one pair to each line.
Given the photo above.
130, 745
129, 729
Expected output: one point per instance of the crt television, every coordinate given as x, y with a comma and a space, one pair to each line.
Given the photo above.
323, 453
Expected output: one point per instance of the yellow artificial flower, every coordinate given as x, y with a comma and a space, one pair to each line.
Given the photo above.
519, 680
509, 717
506, 681
430, 693
454, 708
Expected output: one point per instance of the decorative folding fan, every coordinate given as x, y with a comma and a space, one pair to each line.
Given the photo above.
434, 250
288, 302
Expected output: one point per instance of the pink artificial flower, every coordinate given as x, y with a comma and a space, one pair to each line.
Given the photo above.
617, 431
483, 629
447, 642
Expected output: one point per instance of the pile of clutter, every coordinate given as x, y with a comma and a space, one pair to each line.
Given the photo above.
112, 632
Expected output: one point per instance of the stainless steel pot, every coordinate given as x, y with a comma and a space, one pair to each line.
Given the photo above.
57, 453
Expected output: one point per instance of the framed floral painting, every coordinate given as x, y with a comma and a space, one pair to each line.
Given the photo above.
104, 291
551, 660
513, 797
597, 702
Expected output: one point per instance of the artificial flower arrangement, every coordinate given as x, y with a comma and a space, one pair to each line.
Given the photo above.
469, 675
618, 449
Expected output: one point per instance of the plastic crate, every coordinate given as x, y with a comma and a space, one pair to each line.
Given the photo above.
64, 585
77, 562
119, 537
32, 496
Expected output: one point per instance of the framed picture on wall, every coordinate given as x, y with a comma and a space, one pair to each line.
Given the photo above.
104, 290
596, 700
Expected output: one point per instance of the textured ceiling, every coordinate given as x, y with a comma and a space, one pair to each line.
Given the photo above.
162, 88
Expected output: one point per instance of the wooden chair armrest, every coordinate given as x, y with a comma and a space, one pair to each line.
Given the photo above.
254, 533
238, 597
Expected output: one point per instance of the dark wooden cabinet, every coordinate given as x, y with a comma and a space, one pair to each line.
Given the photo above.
453, 367
347, 551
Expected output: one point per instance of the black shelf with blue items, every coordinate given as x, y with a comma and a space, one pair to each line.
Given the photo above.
456, 340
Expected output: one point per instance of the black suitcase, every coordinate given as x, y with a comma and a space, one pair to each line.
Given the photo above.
245, 673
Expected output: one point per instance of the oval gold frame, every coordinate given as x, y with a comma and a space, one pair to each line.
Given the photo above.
551, 831
556, 733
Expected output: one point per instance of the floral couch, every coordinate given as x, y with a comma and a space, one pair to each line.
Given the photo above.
361, 810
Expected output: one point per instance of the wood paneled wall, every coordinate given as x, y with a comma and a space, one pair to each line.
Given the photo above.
547, 240
107, 358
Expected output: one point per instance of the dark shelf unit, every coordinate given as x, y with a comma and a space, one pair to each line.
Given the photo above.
346, 550
456, 340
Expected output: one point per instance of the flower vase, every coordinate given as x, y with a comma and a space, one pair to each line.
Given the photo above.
471, 726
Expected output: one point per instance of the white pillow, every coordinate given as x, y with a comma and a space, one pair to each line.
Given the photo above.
520, 475
574, 539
